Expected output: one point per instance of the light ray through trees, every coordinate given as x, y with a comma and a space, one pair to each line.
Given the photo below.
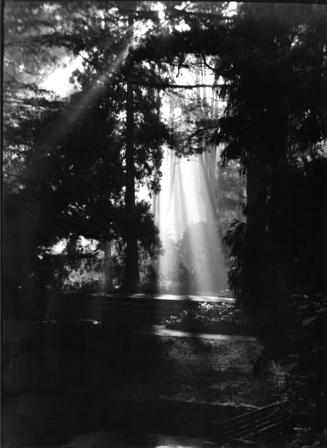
185, 210
185, 214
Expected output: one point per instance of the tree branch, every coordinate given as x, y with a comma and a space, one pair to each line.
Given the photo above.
206, 63
167, 85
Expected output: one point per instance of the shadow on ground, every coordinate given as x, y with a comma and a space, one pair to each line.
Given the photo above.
79, 373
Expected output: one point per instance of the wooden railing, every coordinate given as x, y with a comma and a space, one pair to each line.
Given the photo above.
251, 426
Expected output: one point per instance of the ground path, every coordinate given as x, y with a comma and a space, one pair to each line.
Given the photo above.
163, 382
181, 297
160, 330
104, 308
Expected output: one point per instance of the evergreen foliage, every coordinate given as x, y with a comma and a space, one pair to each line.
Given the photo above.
65, 173
72, 166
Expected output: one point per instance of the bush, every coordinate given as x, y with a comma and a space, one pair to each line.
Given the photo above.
306, 361
210, 318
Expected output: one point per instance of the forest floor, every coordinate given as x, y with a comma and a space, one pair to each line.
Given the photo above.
199, 369
172, 379
146, 382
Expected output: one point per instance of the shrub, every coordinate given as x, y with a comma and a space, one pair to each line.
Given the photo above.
306, 361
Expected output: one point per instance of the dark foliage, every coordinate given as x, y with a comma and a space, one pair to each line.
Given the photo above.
297, 259
65, 170
306, 360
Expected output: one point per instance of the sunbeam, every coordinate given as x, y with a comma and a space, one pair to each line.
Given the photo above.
55, 81
184, 210
185, 214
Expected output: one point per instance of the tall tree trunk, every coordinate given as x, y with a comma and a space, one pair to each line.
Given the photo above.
108, 285
132, 276
256, 262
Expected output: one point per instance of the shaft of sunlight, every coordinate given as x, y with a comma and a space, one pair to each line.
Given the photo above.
58, 80
186, 208
185, 214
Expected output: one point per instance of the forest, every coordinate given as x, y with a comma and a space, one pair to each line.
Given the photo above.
150, 88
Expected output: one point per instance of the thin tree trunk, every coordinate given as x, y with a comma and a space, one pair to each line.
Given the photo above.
108, 285
132, 276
